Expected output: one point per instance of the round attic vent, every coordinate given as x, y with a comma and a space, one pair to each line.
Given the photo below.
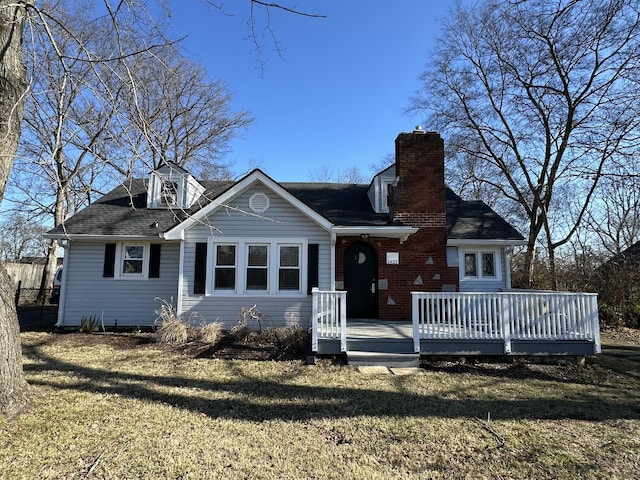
259, 203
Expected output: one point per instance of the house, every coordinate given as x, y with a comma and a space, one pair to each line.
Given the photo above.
291, 249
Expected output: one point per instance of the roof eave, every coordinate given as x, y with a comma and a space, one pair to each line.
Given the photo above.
399, 232
113, 238
461, 242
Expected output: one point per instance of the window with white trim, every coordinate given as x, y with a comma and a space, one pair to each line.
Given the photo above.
225, 267
257, 267
289, 268
273, 267
480, 265
132, 260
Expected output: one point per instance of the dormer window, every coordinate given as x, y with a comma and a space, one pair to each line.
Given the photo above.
380, 188
171, 186
169, 193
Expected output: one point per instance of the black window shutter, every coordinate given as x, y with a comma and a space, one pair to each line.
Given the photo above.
109, 260
200, 270
312, 266
154, 260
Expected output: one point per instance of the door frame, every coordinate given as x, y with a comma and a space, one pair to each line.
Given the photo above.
372, 310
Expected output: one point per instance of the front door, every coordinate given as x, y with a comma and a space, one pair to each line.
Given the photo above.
360, 280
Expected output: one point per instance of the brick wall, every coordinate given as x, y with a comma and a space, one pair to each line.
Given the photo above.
417, 200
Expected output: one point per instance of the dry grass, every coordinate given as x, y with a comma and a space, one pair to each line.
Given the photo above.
101, 412
210, 332
175, 332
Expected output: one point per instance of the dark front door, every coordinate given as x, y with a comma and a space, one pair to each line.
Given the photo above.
361, 280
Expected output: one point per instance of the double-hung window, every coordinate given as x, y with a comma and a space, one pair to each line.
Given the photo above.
132, 261
273, 266
225, 267
289, 268
257, 267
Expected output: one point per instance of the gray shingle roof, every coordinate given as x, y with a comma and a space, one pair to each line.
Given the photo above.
123, 212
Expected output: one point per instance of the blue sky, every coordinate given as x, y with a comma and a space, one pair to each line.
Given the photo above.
335, 97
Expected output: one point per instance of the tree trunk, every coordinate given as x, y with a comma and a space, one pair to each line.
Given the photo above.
13, 387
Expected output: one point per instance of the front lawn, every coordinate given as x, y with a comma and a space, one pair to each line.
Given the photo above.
105, 410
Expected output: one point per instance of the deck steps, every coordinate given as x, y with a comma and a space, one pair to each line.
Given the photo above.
383, 359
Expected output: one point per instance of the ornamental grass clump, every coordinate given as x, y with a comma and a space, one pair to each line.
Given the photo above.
210, 332
171, 329
175, 332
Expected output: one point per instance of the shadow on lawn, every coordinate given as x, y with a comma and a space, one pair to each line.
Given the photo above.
287, 402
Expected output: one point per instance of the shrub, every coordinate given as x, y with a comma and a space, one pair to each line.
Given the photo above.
210, 332
175, 332
89, 324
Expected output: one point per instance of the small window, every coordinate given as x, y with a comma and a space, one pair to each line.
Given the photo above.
133, 261
289, 268
225, 267
488, 265
480, 265
169, 193
470, 265
257, 267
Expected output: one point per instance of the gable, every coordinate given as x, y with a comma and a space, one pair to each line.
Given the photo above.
241, 198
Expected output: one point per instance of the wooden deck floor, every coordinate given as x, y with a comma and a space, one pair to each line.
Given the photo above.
358, 328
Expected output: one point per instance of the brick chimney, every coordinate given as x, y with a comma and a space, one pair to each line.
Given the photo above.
418, 198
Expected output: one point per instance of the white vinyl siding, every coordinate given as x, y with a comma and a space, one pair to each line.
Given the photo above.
86, 292
281, 225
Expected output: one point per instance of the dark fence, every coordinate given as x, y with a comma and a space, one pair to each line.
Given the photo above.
34, 297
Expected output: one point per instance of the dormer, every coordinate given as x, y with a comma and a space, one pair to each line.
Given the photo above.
171, 186
379, 189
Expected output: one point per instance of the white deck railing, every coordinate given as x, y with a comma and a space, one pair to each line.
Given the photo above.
507, 316
329, 318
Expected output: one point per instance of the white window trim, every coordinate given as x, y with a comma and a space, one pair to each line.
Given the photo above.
242, 256
119, 261
158, 182
478, 253
215, 265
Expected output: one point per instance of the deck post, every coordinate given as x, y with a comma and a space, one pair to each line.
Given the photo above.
506, 323
315, 291
343, 320
595, 323
416, 316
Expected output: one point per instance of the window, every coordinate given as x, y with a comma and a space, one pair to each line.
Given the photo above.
132, 261
488, 265
289, 268
225, 267
169, 193
470, 265
481, 265
273, 267
257, 267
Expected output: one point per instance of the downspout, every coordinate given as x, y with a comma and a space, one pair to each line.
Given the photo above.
63, 284
332, 285
180, 280
507, 259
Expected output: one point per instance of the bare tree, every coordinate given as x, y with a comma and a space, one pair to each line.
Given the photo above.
537, 99
122, 17
177, 114
615, 216
72, 130
325, 174
21, 237
13, 387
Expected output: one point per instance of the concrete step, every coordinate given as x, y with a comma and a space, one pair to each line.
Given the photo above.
361, 358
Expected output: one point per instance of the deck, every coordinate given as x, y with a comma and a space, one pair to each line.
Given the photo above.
464, 324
